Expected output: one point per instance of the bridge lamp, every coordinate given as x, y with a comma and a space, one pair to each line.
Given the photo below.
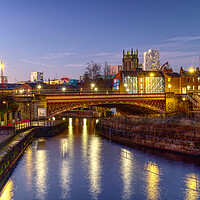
151, 74
92, 85
53, 118
127, 89
125, 85
39, 87
63, 89
183, 99
1, 67
191, 70
169, 86
95, 89
21, 91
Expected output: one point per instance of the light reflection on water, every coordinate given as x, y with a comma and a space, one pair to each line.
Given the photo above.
192, 191
77, 164
95, 167
126, 173
66, 165
41, 183
7, 192
152, 181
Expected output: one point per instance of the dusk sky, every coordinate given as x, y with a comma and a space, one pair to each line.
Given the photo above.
59, 37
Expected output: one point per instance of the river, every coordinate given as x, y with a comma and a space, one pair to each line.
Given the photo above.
78, 164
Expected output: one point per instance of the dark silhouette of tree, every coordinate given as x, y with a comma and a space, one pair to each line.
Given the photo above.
92, 71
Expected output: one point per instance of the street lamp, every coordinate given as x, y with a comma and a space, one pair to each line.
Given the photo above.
4, 102
169, 86
92, 87
191, 70
95, 89
1, 66
39, 87
63, 89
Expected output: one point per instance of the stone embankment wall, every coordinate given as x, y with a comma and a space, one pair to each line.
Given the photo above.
187, 142
12, 152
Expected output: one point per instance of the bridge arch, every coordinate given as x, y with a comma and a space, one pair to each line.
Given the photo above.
56, 108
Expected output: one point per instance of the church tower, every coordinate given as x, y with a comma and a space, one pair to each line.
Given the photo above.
130, 60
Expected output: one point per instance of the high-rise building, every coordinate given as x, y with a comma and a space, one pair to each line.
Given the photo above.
36, 76
115, 69
5, 79
130, 61
152, 59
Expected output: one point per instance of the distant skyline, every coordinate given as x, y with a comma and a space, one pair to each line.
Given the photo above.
59, 37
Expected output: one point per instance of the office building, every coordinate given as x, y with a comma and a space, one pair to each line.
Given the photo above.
152, 59
36, 76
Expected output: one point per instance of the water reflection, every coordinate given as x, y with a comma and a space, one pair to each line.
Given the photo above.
152, 181
192, 191
41, 174
29, 167
95, 167
7, 193
126, 173
66, 150
85, 140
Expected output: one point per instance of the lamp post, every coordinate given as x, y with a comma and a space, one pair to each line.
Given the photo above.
92, 87
1, 66
4, 102
193, 85
169, 86
63, 89
39, 88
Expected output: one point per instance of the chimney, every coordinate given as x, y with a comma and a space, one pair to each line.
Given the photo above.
181, 70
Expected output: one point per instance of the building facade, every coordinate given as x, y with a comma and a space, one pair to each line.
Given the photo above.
36, 76
115, 69
152, 59
139, 82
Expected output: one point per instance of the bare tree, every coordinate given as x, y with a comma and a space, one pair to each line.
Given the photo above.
106, 70
92, 70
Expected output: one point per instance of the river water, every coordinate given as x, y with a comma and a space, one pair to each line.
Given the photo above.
77, 164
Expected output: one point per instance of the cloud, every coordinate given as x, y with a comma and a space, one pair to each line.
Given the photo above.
58, 55
74, 65
183, 39
100, 54
35, 63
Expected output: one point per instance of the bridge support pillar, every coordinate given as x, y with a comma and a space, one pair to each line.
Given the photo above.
39, 102
171, 102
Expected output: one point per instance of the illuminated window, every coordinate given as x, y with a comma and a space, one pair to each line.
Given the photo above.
141, 80
116, 84
141, 86
169, 79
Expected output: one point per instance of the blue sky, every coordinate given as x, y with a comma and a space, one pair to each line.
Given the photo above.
60, 37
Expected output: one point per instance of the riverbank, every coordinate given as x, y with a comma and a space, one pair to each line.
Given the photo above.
17, 144
157, 133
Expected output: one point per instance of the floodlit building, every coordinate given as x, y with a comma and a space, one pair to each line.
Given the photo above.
130, 60
139, 81
152, 59
36, 76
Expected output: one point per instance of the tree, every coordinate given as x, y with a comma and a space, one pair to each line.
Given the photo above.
92, 70
106, 73
106, 70
7, 104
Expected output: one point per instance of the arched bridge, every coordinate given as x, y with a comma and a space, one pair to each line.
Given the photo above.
57, 104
